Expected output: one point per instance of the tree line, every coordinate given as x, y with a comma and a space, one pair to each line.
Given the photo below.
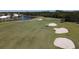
69, 16
66, 16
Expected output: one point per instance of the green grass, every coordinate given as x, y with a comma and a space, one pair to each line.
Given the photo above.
34, 34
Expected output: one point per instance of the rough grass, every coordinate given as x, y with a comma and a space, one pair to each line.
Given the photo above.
34, 34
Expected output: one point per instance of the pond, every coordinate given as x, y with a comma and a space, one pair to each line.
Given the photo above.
24, 17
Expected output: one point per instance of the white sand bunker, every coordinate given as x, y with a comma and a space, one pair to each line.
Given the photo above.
61, 30
40, 19
52, 24
64, 43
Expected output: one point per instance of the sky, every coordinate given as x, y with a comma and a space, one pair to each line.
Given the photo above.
39, 5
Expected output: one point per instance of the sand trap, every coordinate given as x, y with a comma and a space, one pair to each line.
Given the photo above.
64, 43
52, 24
40, 19
61, 30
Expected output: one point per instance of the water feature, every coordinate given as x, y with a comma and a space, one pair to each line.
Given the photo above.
24, 17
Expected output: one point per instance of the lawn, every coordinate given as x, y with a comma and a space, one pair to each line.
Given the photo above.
34, 34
